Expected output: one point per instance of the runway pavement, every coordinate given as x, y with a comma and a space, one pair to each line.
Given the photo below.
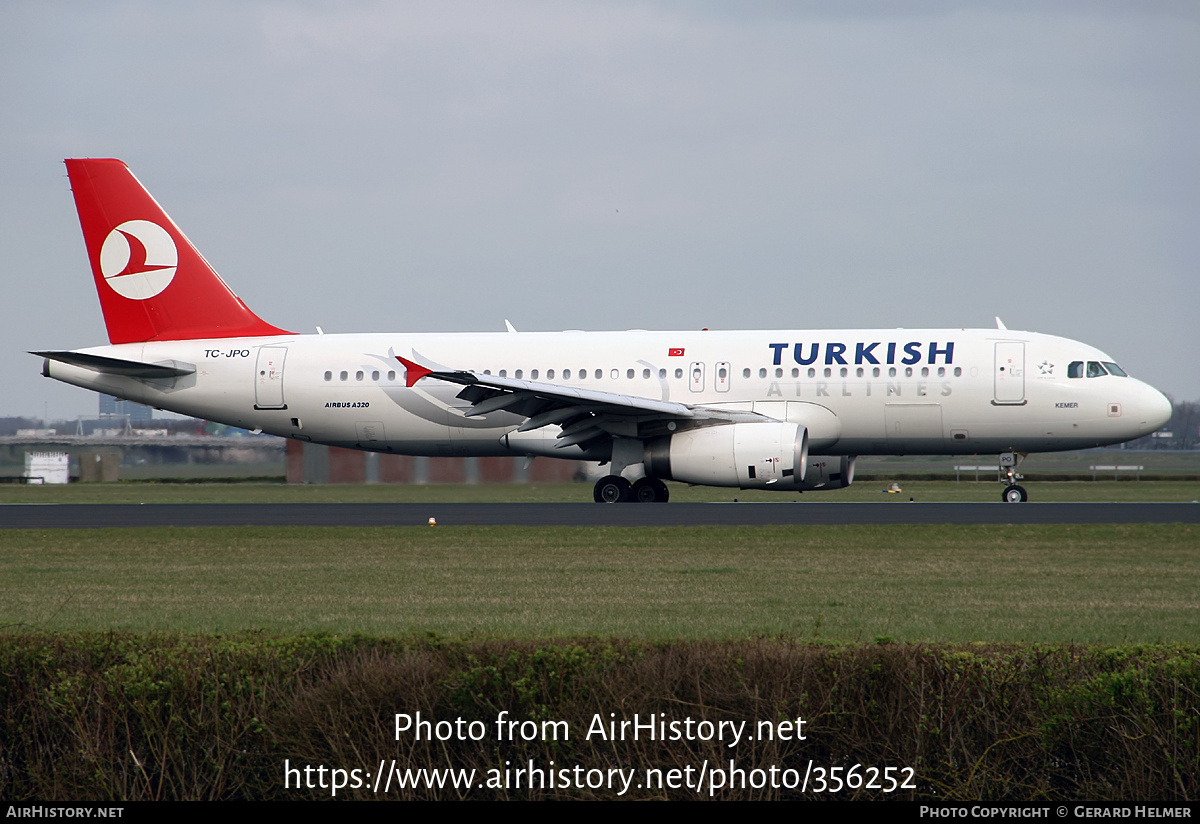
87, 516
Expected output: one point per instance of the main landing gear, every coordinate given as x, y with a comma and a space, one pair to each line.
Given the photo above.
613, 489
1013, 493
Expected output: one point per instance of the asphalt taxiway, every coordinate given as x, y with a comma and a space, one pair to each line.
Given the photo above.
90, 516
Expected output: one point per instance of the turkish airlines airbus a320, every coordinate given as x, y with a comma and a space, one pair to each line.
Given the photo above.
784, 410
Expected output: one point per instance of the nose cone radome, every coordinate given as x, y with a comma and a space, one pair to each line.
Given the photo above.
1156, 409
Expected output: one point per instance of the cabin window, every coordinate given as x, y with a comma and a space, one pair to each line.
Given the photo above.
958, 371
908, 371
812, 373
746, 373
924, 371
549, 374
391, 375
875, 372
679, 373
662, 373
518, 374
599, 374
891, 371
629, 374
358, 375
778, 372
795, 372
566, 374
645, 374
375, 375
844, 371
941, 371
614, 374
762, 373
828, 372
328, 376
533, 373
343, 375
504, 373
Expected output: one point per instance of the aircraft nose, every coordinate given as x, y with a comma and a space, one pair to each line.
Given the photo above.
1156, 409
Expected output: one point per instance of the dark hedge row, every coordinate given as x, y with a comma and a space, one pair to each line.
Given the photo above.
128, 717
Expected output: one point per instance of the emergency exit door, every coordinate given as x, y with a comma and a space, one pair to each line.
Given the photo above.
1010, 373
268, 378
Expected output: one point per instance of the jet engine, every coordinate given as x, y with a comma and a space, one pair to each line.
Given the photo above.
764, 455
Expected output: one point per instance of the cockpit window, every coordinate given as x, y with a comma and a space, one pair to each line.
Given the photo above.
1095, 370
1075, 370
1113, 369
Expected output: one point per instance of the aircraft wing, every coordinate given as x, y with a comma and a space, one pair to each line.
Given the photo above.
584, 414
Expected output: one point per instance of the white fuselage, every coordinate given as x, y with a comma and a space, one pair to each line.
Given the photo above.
859, 392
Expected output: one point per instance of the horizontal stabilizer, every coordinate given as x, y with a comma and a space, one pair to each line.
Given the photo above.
118, 366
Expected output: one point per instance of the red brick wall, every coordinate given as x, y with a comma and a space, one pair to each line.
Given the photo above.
395, 469
447, 471
347, 466
295, 462
549, 470
496, 470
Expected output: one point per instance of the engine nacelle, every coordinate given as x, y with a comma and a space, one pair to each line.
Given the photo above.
825, 472
764, 455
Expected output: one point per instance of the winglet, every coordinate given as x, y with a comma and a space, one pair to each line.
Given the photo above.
413, 371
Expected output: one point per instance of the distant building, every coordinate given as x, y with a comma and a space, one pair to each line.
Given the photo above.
47, 467
111, 407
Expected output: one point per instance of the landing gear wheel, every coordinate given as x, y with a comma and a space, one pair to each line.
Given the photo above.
1014, 495
612, 489
650, 491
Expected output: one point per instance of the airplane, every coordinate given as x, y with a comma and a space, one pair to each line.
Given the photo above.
780, 410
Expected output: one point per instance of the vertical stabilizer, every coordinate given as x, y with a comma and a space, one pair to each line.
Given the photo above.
152, 282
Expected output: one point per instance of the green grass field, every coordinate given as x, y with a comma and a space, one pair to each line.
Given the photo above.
1087, 584
1082, 584
869, 491
171, 697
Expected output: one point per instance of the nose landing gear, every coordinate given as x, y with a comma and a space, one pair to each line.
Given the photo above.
1014, 494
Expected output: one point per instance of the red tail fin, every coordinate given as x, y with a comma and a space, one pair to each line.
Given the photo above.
153, 284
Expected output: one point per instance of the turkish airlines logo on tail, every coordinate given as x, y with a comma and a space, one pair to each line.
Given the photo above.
138, 259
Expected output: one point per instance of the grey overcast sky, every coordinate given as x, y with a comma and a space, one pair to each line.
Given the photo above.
388, 166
